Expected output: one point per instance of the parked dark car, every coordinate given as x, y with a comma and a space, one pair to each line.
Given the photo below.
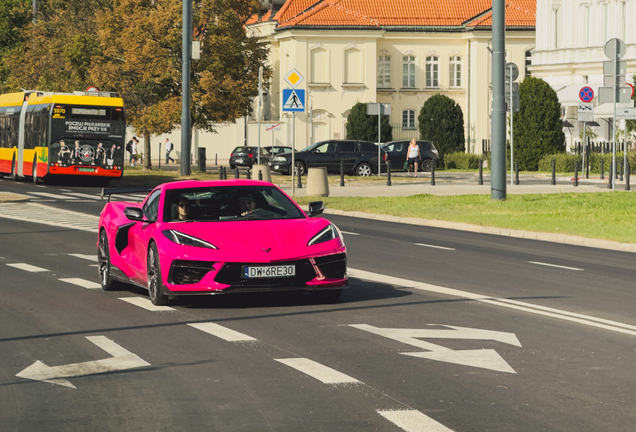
359, 157
274, 150
395, 151
247, 156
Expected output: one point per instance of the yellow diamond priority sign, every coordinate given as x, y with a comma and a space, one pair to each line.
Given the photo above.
294, 78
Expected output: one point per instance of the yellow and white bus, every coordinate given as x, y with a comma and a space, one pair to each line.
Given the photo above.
49, 134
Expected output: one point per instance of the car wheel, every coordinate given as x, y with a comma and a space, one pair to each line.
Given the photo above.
327, 296
103, 263
364, 169
427, 165
301, 168
34, 174
155, 285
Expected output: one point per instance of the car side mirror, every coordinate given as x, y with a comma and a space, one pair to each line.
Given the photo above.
316, 208
135, 214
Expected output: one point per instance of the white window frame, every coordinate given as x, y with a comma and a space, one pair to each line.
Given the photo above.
384, 71
455, 71
432, 71
408, 71
410, 123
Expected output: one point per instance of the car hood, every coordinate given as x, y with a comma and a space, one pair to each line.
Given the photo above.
260, 241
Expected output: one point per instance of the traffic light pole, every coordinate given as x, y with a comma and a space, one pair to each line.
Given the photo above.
498, 115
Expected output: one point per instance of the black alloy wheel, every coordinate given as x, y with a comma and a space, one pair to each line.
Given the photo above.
427, 165
301, 169
103, 263
155, 285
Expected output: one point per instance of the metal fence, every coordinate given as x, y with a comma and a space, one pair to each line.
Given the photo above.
404, 133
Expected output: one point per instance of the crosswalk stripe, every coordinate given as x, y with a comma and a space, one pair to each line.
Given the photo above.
50, 195
413, 421
222, 332
86, 257
39, 213
82, 282
320, 372
28, 267
83, 195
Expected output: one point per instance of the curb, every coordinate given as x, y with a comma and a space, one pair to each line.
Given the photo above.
460, 226
6, 197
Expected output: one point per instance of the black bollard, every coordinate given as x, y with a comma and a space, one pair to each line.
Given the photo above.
602, 169
553, 182
433, 173
249, 174
388, 173
298, 171
516, 172
220, 173
609, 183
216, 155
621, 175
576, 173
627, 176
236, 173
341, 173
260, 175
481, 172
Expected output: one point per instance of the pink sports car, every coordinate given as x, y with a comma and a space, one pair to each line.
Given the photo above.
214, 237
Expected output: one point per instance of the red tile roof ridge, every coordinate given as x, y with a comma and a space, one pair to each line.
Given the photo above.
325, 4
281, 13
510, 3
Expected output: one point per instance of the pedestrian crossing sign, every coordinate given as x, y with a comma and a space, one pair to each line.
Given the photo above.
293, 100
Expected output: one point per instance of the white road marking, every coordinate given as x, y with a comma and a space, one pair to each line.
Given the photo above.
43, 214
413, 421
28, 267
50, 195
82, 282
511, 304
554, 265
83, 195
433, 246
318, 371
86, 257
350, 233
122, 359
481, 358
146, 304
222, 332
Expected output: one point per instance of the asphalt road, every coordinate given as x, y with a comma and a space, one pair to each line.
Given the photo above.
440, 330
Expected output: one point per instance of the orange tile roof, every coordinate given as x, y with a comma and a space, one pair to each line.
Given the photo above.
256, 19
401, 13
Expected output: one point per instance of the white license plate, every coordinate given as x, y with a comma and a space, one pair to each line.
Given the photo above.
238, 160
281, 271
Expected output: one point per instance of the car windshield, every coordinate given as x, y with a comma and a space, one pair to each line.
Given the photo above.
312, 147
228, 203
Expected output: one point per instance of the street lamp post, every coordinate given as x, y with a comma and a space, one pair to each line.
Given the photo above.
185, 87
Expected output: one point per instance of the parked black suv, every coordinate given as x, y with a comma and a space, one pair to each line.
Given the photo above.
395, 151
247, 156
359, 157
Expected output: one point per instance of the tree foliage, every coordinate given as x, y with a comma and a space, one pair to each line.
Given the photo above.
364, 127
441, 120
538, 129
15, 15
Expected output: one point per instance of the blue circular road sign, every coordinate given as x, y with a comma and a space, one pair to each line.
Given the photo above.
586, 94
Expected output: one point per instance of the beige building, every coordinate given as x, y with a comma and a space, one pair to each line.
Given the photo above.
397, 52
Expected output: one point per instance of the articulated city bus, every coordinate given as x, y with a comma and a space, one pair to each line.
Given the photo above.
46, 134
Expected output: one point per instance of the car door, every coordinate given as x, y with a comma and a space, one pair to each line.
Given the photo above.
140, 234
396, 153
321, 156
347, 152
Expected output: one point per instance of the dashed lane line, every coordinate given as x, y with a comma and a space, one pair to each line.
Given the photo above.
435, 247
349, 233
146, 304
27, 267
223, 332
82, 282
413, 421
320, 372
43, 214
554, 265
86, 257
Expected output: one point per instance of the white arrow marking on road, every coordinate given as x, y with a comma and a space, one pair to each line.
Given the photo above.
122, 359
483, 358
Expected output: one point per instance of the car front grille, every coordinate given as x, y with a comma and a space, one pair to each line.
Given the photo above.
333, 266
188, 272
232, 274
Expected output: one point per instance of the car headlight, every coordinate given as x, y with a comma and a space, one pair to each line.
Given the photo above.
435, 151
186, 240
279, 159
330, 232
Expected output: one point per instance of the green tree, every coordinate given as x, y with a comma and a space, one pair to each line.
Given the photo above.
15, 16
441, 120
364, 127
538, 128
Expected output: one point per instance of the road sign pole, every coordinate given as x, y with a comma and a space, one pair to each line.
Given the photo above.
498, 116
379, 117
584, 147
293, 166
260, 102
511, 130
615, 59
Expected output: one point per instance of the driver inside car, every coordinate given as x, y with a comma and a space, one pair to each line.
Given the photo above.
183, 209
247, 204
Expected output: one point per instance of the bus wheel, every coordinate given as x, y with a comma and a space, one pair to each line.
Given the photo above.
34, 174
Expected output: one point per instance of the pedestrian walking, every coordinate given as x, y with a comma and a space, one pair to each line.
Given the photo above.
413, 156
169, 147
129, 149
133, 152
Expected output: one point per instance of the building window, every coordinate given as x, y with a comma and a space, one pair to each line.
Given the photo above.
384, 72
432, 71
604, 17
455, 71
408, 120
528, 62
408, 72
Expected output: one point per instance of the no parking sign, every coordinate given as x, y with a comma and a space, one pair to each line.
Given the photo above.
586, 94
